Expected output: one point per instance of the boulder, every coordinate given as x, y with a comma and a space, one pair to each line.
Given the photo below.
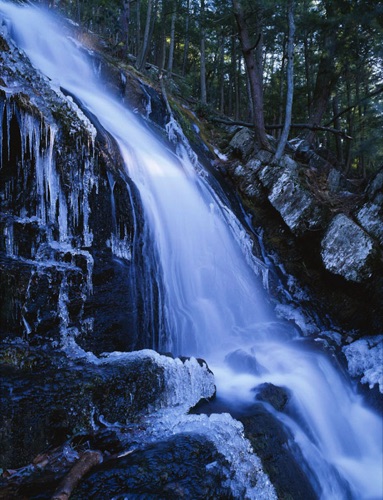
290, 196
347, 250
370, 218
242, 143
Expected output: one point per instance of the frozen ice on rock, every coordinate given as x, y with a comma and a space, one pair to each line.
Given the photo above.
365, 359
244, 473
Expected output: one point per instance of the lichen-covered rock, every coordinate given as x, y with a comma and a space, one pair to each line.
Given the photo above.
365, 360
289, 195
370, 217
347, 250
242, 143
375, 189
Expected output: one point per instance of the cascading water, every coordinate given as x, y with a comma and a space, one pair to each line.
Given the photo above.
214, 303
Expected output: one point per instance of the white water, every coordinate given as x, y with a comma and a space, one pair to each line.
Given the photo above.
214, 300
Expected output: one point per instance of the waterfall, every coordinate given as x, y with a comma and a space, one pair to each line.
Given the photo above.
215, 304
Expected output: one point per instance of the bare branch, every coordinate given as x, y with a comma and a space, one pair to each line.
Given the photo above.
279, 126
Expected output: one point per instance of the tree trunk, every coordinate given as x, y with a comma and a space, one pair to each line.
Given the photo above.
255, 76
221, 72
290, 82
203, 97
327, 76
338, 140
172, 38
141, 59
281, 87
187, 39
125, 17
138, 27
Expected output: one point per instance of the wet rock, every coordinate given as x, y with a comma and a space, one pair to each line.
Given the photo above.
347, 250
182, 466
278, 397
273, 443
244, 362
46, 396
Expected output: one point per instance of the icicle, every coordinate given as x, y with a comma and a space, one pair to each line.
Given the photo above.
121, 247
9, 113
87, 186
9, 239
2, 109
63, 217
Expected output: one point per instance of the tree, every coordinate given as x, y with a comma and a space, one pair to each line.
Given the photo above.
143, 51
290, 82
254, 74
203, 97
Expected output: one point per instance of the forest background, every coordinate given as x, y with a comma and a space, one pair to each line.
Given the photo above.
311, 68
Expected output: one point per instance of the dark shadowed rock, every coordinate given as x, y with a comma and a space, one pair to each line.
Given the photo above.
273, 443
46, 396
278, 397
183, 466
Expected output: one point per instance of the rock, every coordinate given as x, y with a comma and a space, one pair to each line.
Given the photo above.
182, 466
274, 444
243, 362
365, 360
291, 198
242, 143
347, 250
278, 397
370, 218
333, 180
43, 390
375, 189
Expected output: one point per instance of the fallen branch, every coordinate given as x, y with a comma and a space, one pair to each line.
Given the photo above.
87, 461
293, 125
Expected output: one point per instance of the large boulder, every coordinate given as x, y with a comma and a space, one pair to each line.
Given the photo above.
348, 251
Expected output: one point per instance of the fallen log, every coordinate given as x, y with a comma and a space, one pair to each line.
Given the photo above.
87, 461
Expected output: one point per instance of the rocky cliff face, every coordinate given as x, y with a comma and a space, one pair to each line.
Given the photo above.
70, 221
